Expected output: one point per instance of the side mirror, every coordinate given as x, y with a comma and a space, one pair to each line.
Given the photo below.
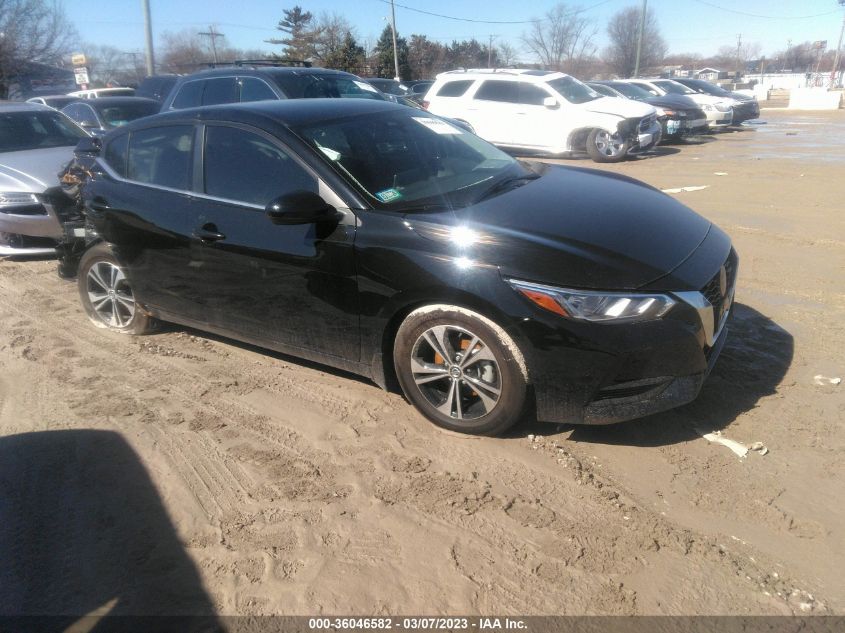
90, 146
550, 102
299, 207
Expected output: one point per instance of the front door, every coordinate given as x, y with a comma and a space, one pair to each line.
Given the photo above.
289, 285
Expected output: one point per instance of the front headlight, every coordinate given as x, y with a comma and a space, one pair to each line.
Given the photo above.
20, 203
595, 306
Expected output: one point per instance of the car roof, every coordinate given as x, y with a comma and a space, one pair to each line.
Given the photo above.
228, 71
23, 106
286, 112
114, 101
524, 74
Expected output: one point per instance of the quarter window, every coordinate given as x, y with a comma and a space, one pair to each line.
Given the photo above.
454, 88
189, 95
506, 91
162, 156
115, 154
255, 90
248, 168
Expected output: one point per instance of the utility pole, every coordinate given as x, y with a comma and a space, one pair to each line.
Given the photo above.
738, 50
838, 51
148, 29
490, 52
640, 39
211, 33
395, 50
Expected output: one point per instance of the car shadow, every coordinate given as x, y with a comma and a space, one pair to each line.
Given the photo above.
753, 362
85, 536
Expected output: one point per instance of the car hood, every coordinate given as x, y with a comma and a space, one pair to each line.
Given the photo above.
625, 108
33, 170
572, 227
678, 102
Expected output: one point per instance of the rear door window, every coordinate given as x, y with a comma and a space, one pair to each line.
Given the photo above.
189, 95
253, 89
220, 90
162, 156
504, 91
530, 94
115, 154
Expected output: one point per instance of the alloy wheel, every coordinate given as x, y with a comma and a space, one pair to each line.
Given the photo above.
110, 295
456, 372
610, 145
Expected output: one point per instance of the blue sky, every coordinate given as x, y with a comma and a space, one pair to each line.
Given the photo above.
687, 25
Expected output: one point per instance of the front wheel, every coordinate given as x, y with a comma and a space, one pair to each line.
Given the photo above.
460, 370
107, 295
606, 147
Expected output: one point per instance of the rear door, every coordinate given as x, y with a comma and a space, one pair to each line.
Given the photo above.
534, 124
289, 285
493, 109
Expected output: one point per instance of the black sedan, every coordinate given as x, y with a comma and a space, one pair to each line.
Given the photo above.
679, 116
386, 242
98, 116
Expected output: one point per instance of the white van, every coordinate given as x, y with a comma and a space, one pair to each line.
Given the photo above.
544, 111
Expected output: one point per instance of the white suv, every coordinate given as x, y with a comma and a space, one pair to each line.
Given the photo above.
544, 111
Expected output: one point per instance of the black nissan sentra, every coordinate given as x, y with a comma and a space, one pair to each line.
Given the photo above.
387, 242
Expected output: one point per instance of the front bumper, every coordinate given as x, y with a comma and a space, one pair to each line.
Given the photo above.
29, 234
676, 127
719, 119
647, 139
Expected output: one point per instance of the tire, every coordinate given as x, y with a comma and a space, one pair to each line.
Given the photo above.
604, 147
106, 294
491, 382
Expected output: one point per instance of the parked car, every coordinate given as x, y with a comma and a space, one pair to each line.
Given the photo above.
35, 144
544, 111
719, 111
156, 86
417, 88
98, 116
388, 86
56, 102
745, 106
390, 243
97, 93
678, 116
243, 83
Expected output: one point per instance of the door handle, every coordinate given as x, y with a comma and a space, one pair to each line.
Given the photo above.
208, 233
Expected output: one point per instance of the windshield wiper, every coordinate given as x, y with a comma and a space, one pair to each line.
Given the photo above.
507, 183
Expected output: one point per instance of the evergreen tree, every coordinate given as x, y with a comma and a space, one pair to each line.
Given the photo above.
300, 41
348, 57
384, 55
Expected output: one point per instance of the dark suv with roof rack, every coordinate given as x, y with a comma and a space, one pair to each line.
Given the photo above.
241, 83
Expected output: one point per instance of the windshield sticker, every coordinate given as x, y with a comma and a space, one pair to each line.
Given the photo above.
388, 195
332, 154
364, 86
437, 125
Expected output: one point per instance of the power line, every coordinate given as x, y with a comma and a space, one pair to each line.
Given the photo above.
766, 17
212, 35
452, 17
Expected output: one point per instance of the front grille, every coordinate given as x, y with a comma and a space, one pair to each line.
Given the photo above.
630, 389
716, 290
647, 122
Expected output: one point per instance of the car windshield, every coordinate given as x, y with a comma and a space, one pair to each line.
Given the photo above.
117, 115
708, 88
36, 130
314, 86
674, 88
390, 87
573, 90
631, 91
411, 160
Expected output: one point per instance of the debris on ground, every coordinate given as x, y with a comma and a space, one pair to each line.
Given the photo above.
716, 437
680, 189
720, 173
824, 380
759, 447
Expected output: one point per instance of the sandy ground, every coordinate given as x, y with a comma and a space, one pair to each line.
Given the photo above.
184, 473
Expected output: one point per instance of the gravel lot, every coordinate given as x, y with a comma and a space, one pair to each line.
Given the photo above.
181, 473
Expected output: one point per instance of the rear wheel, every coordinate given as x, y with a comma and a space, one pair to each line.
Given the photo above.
460, 370
606, 147
107, 295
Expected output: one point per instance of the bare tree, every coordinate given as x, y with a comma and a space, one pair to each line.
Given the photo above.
507, 54
562, 39
329, 35
31, 31
622, 30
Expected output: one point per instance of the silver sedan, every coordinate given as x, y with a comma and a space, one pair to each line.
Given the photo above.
36, 142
